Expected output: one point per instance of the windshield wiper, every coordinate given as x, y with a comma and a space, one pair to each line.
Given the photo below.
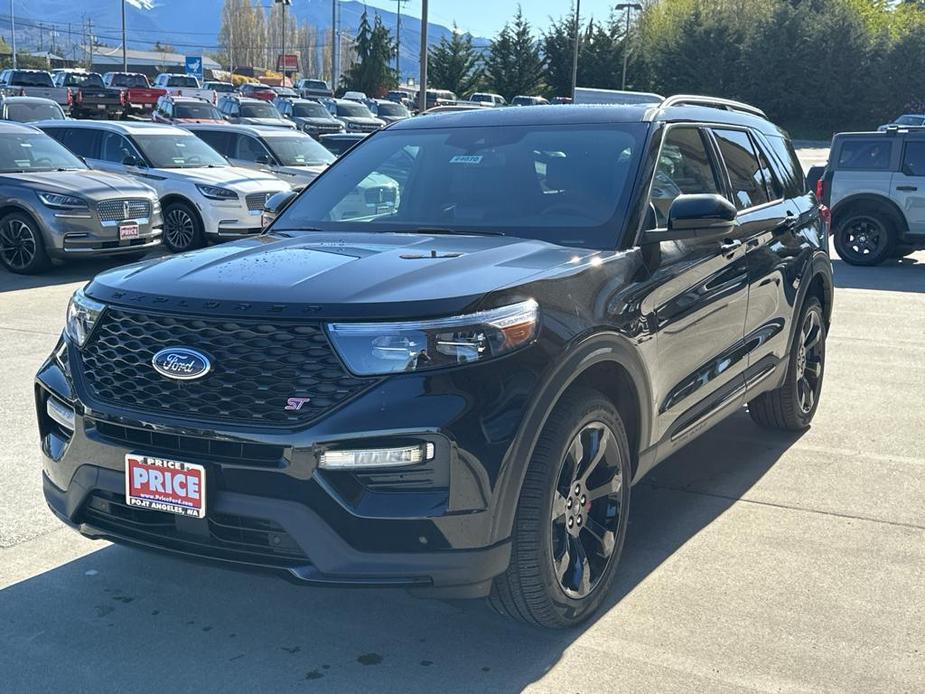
453, 232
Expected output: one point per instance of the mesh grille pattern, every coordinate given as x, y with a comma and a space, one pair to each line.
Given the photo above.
256, 367
256, 201
115, 210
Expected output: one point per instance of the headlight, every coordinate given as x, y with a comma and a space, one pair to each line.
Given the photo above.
82, 314
385, 348
59, 201
216, 193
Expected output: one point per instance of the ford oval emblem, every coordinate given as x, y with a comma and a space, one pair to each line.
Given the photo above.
181, 363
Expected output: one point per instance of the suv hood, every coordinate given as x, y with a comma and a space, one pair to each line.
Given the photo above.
361, 120
87, 183
327, 275
272, 122
242, 180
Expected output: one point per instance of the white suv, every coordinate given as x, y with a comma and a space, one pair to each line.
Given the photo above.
203, 196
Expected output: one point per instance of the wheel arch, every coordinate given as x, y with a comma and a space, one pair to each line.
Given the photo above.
606, 362
882, 202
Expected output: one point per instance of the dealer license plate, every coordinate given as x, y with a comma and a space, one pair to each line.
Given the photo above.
128, 231
160, 484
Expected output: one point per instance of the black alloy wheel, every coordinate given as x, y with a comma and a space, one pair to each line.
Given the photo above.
810, 356
21, 247
864, 239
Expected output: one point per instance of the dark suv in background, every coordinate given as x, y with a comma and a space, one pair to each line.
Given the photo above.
874, 184
451, 384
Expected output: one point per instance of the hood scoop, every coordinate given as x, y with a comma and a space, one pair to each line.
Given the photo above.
433, 256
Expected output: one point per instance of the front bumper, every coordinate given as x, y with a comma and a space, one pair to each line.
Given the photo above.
68, 235
229, 220
270, 506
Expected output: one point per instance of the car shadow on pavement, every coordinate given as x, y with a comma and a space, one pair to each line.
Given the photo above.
72, 271
120, 619
902, 275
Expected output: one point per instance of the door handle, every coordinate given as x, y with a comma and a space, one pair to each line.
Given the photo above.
730, 246
907, 188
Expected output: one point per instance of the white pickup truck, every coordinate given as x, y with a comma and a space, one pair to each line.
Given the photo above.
33, 83
184, 85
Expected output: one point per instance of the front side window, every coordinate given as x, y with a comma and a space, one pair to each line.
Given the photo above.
914, 158
250, 149
869, 154
115, 148
684, 168
30, 152
568, 185
178, 151
745, 174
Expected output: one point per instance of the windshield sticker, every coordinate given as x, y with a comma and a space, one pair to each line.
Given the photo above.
25, 144
23, 163
470, 159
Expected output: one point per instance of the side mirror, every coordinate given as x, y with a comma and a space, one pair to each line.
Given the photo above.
275, 204
131, 160
263, 159
701, 217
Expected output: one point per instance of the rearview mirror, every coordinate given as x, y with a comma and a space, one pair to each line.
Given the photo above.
275, 204
701, 217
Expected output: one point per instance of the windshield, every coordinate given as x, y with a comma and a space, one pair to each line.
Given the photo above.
182, 81
221, 87
261, 110
170, 151
565, 184
83, 79
299, 151
910, 120
135, 80
315, 84
27, 112
27, 152
312, 110
353, 110
31, 79
390, 109
199, 111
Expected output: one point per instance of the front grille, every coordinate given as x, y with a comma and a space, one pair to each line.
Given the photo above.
256, 367
118, 210
161, 443
220, 535
256, 201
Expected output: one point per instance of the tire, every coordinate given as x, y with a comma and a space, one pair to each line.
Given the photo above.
865, 237
22, 249
536, 588
182, 227
792, 406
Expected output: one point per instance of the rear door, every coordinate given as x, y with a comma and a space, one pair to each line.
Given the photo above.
908, 184
697, 301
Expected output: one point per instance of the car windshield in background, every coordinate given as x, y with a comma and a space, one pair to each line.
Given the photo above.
391, 109
353, 110
221, 87
261, 110
315, 84
27, 112
910, 120
181, 81
31, 79
563, 184
299, 151
196, 111
28, 152
312, 110
178, 151
131, 81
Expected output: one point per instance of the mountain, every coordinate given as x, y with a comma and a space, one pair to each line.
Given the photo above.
191, 26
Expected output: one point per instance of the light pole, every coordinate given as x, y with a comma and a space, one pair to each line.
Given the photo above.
334, 45
124, 55
285, 4
627, 7
13, 32
575, 53
422, 93
398, 39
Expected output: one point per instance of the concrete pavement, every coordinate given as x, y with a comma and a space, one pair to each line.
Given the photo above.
754, 561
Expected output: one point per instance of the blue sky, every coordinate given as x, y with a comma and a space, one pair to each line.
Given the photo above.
486, 17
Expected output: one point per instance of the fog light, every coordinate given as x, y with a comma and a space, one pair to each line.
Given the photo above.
376, 457
61, 413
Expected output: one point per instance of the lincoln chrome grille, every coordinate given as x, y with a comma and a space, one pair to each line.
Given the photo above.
119, 210
256, 201
256, 367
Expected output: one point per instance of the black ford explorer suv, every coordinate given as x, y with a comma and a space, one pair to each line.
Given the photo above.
451, 388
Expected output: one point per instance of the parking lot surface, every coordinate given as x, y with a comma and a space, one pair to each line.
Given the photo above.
754, 561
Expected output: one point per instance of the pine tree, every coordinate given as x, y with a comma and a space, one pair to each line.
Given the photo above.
514, 64
455, 64
371, 72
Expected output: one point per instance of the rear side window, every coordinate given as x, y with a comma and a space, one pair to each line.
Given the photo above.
745, 173
865, 155
789, 166
914, 158
81, 141
217, 140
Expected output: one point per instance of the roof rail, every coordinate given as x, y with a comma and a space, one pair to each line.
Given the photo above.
712, 101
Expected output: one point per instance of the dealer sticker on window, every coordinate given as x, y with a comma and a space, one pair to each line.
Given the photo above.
466, 159
165, 485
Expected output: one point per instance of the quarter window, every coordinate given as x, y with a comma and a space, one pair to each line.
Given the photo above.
684, 168
914, 159
745, 173
869, 155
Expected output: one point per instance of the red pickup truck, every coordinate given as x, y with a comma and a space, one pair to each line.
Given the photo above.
140, 96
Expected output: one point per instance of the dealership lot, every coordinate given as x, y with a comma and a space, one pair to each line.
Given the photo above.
754, 561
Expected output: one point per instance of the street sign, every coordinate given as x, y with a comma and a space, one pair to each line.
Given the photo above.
194, 66
288, 62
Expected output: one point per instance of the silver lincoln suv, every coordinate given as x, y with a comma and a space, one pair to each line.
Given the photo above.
874, 183
53, 207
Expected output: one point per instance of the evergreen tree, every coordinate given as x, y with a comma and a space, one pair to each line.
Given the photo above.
514, 64
558, 52
371, 72
455, 64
